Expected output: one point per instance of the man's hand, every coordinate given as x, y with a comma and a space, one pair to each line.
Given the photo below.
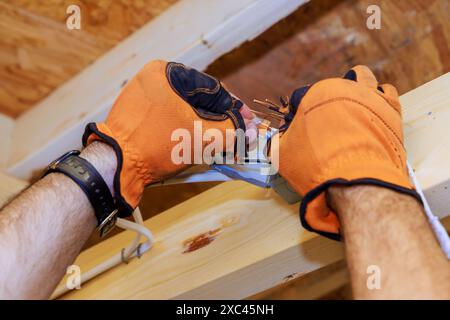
160, 99
44, 228
342, 132
343, 150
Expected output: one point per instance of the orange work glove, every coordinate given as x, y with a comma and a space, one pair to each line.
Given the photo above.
161, 98
342, 132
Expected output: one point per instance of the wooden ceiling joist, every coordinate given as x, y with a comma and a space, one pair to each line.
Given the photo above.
6, 130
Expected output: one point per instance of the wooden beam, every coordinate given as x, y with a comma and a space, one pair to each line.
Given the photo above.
322, 283
10, 187
231, 241
236, 240
6, 130
426, 118
313, 285
195, 32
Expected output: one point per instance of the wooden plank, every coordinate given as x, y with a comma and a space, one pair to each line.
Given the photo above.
9, 187
426, 114
252, 241
194, 32
330, 282
313, 285
253, 238
6, 130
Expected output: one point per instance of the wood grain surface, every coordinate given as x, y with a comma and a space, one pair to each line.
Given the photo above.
39, 53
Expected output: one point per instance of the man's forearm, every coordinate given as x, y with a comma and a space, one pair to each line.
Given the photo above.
389, 231
43, 229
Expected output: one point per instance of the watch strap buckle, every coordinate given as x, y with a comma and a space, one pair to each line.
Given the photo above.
108, 223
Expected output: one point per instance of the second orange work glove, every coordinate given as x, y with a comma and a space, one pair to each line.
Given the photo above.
161, 98
342, 132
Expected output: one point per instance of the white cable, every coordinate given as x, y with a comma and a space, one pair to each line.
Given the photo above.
136, 248
438, 228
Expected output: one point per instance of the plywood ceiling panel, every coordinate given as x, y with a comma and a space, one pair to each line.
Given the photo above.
324, 38
38, 52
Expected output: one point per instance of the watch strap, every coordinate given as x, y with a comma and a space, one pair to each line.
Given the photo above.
91, 182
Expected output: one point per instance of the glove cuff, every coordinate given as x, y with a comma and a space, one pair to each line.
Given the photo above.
316, 216
93, 133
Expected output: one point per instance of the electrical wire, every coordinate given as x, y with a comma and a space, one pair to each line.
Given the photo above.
134, 249
438, 229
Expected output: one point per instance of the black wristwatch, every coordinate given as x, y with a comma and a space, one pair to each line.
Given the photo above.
91, 182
